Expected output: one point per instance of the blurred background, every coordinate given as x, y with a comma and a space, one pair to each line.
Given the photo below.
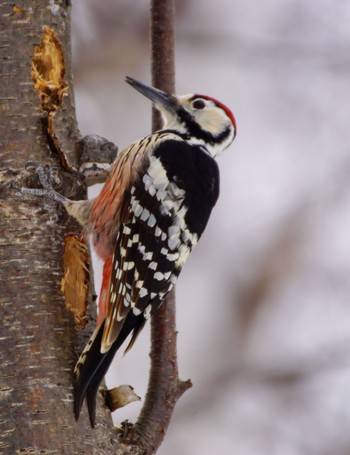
263, 302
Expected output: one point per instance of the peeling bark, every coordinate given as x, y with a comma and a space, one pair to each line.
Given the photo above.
75, 283
48, 71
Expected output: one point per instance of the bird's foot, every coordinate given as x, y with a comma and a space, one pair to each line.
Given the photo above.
45, 177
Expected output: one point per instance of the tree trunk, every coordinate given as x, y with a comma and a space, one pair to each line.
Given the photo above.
39, 341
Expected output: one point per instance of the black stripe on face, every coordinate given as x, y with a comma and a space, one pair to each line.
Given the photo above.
194, 129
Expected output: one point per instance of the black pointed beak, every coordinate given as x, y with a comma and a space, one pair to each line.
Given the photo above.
159, 98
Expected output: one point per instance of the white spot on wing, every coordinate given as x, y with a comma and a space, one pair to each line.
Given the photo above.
148, 256
158, 276
173, 243
126, 230
148, 181
153, 265
173, 230
145, 215
141, 248
152, 221
139, 284
136, 208
143, 292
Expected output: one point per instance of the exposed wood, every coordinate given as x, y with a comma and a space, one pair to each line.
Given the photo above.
76, 279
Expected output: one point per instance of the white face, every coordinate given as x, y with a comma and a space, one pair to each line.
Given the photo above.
205, 112
209, 116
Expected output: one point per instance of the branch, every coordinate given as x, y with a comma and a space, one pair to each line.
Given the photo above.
163, 50
164, 387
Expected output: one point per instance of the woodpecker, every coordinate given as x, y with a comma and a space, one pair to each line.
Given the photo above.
150, 213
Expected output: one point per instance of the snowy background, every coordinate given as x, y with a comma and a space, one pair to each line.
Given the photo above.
264, 300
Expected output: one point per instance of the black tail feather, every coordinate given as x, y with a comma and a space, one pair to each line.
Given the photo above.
91, 401
87, 370
96, 380
95, 366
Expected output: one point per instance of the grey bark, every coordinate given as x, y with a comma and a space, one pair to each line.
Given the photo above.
39, 343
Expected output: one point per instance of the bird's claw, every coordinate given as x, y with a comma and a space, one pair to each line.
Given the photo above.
45, 177
43, 173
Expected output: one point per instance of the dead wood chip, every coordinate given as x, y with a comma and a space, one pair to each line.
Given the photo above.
48, 70
17, 9
75, 283
120, 396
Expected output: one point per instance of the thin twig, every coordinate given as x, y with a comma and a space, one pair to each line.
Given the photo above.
164, 387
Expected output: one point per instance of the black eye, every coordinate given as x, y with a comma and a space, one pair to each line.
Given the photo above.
198, 104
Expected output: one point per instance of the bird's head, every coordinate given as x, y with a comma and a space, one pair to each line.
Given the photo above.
202, 119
